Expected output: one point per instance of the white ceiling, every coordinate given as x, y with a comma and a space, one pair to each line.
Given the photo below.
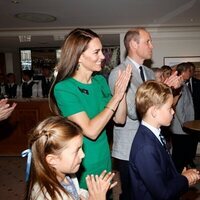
106, 17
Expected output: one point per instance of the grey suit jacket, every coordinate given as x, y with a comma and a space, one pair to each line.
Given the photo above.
184, 111
123, 135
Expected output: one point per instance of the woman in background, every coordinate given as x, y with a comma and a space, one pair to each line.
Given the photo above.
167, 71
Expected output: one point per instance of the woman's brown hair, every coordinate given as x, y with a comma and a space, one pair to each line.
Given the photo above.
74, 45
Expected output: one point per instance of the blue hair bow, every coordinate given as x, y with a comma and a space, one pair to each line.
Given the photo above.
27, 153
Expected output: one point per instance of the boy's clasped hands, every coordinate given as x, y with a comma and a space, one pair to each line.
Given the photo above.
192, 175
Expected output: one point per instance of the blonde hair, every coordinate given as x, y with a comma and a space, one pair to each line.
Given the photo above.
50, 136
151, 93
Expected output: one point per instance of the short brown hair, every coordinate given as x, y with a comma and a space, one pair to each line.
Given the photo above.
182, 67
151, 93
132, 34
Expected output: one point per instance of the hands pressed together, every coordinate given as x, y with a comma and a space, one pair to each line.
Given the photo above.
174, 81
122, 82
99, 185
6, 109
192, 175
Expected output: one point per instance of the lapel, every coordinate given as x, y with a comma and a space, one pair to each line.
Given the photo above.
157, 142
136, 79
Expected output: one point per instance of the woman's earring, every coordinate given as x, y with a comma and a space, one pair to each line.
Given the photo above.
77, 66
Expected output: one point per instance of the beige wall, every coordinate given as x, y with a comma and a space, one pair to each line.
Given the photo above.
168, 42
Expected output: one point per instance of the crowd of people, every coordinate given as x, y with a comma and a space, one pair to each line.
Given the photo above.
69, 156
30, 86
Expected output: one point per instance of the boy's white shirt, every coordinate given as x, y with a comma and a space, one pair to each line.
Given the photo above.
155, 131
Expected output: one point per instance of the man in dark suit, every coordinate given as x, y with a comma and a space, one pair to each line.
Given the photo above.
11, 86
27, 83
153, 174
182, 140
194, 86
47, 80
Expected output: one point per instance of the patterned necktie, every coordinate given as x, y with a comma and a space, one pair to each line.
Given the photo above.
142, 73
163, 141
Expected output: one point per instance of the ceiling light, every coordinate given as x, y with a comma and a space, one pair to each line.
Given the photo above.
58, 37
36, 17
24, 38
15, 1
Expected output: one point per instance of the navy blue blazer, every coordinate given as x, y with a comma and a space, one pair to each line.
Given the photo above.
153, 174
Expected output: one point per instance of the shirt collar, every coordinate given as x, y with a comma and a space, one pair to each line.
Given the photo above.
156, 131
136, 64
28, 81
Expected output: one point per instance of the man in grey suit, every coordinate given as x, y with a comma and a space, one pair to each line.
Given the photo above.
139, 47
138, 44
183, 142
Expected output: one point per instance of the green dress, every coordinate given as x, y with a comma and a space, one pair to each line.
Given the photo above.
73, 97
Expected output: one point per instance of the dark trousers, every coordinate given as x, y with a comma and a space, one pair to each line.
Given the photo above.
195, 140
123, 167
183, 150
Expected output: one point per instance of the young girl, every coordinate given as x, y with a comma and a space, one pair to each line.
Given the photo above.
54, 157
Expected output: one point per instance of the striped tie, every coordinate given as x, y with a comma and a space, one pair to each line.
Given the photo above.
163, 141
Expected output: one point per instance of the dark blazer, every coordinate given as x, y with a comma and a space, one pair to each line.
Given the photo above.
153, 174
196, 96
46, 85
27, 89
11, 90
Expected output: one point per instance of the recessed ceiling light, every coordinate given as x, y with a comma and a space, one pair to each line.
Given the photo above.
58, 37
15, 1
36, 17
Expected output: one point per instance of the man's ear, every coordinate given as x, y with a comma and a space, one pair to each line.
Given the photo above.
133, 44
51, 159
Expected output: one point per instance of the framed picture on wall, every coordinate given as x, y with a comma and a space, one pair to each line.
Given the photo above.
173, 61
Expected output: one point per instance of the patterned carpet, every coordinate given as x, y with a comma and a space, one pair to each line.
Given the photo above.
12, 178
12, 185
12, 170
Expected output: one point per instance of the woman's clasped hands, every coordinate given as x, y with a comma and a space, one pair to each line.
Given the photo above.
122, 82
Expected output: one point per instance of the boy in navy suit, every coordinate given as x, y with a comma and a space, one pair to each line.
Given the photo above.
153, 174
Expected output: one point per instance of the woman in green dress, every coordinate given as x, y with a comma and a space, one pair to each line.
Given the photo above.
85, 98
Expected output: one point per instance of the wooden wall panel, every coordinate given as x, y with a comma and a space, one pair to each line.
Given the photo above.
14, 131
